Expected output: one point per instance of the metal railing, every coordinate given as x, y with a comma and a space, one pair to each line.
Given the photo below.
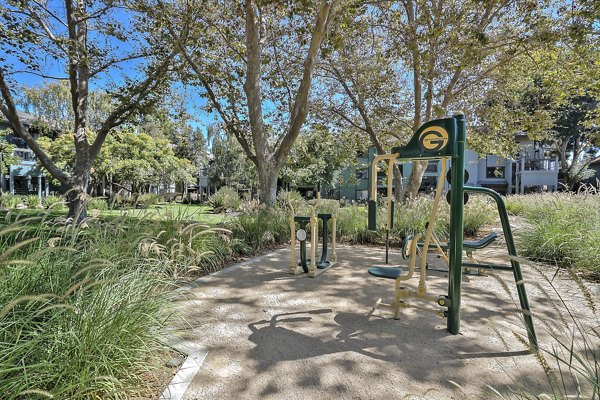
537, 164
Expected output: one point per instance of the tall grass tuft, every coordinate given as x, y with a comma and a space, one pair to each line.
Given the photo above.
260, 229
352, 225
8, 200
82, 309
412, 217
569, 352
562, 228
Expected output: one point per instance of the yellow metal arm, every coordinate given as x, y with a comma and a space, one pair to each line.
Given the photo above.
429, 233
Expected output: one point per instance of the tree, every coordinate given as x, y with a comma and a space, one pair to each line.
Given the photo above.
551, 94
248, 62
83, 39
318, 154
7, 154
576, 141
363, 87
443, 51
50, 104
128, 160
228, 164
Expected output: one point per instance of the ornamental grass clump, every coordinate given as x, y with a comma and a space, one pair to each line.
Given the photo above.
82, 308
412, 217
225, 199
352, 225
54, 202
8, 200
261, 229
568, 339
562, 228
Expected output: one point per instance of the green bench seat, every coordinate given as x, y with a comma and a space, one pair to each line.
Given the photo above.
386, 272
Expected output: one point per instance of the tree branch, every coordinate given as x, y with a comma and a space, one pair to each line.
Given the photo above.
300, 109
10, 112
139, 92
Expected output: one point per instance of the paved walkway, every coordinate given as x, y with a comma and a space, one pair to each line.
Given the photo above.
270, 335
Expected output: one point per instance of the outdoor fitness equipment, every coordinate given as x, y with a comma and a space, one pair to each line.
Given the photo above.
442, 139
469, 246
310, 266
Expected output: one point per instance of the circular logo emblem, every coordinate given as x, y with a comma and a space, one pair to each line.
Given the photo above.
301, 235
434, 138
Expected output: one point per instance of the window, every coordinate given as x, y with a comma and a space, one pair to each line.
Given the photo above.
432, 166
494, 167
494, 172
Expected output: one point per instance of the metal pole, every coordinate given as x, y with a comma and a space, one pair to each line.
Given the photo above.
456, 228
516, 266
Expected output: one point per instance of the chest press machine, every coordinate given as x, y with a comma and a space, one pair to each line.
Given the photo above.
441, 139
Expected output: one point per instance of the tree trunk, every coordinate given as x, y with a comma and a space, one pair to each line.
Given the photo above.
77, 192
399, 192
416, 176
77, 203
267, 185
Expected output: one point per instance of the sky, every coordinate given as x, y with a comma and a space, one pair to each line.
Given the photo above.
114, 77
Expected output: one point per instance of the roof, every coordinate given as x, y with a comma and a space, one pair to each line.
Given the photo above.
25, 118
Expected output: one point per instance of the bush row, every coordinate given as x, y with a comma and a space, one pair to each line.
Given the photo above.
260, 229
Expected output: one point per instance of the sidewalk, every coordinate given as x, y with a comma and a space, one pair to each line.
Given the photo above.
270, 335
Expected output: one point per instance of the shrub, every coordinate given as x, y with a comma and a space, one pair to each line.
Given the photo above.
97, 203
54, 202
149, 199
121, 202
10, 200
225, 199
32, 201
295, 197
262, 229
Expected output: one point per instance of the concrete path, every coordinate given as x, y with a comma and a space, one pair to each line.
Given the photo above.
270, 335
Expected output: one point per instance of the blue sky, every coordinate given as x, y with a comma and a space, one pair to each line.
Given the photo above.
114, 77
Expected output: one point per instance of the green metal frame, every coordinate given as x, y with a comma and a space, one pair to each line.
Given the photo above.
446, 138
512, 251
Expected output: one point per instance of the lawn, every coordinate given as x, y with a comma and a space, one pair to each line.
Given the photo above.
170, 211
174, 211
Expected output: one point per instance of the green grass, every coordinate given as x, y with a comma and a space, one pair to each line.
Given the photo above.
174, 211
192, 212
83, 309
562, 228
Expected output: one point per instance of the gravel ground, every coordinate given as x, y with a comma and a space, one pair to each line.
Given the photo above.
271, 335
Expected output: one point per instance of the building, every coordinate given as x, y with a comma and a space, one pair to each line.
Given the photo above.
529, 171
25, 177
595, 166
